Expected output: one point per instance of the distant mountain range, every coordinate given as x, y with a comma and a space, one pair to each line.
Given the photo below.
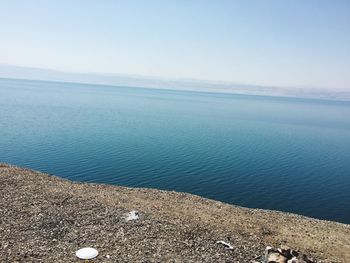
9, 71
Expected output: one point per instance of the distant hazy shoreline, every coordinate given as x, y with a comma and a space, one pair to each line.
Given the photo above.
15, 72
203, 92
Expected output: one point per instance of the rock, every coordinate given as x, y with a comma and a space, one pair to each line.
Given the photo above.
284, 255
293, 260
294, 253
276, 257
284, 251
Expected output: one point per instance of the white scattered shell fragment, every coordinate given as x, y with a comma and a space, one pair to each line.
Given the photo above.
227, 245
86, 253
133, 215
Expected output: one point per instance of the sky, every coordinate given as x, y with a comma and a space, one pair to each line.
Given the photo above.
272, 42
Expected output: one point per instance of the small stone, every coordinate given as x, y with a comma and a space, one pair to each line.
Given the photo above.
294, 253
293, 260
276, 257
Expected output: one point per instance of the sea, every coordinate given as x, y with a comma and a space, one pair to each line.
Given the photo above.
286, 154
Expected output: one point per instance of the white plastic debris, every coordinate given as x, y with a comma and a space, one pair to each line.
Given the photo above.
133, 215
227, 245
86, 253
268, 248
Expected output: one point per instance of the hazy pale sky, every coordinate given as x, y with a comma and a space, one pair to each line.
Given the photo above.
289, 42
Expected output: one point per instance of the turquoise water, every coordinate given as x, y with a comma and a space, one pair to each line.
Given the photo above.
274, 153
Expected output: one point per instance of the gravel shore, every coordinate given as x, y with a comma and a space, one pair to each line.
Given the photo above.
44, 218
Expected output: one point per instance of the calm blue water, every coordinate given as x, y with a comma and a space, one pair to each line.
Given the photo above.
285, 154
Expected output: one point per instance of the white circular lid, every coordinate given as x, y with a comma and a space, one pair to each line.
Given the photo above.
86, 253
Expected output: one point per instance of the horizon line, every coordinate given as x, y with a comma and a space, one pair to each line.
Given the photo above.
180, 79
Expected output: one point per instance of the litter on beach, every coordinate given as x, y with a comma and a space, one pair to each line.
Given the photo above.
86, 253
133, 215
227, 245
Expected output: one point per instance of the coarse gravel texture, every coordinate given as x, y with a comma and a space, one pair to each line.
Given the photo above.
44, 218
